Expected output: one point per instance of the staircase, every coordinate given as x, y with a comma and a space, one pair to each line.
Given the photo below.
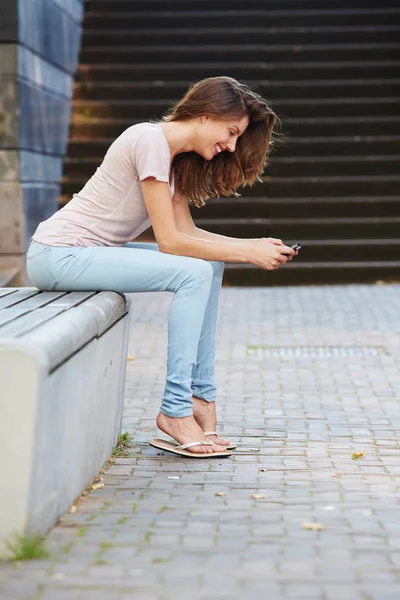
331, 70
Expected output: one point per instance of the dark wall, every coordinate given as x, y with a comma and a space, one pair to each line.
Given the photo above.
9, 21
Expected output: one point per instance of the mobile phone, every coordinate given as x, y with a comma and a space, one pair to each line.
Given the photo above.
296, 246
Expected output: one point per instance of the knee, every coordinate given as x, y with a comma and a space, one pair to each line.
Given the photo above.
199, 272
203, 270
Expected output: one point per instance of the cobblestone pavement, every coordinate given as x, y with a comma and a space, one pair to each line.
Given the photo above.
307, 376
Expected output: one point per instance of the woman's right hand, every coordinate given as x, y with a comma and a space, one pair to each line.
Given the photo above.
268, 255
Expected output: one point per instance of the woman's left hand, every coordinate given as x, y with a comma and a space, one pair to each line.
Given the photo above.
278, 242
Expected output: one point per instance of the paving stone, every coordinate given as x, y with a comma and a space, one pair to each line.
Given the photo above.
19, 589
61, 594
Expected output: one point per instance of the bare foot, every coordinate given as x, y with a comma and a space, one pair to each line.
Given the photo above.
205, 415
185, 430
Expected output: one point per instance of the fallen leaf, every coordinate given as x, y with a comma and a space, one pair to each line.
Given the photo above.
72, 509
258, 496
97, 479
313, 526
97, 486
357, 455
220, 494
131, 358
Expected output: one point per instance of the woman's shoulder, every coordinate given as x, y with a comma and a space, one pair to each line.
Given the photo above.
138, 139
146, 128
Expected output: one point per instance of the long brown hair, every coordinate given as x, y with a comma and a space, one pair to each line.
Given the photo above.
223, 98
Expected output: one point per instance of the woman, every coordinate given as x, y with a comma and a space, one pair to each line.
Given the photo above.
210, 143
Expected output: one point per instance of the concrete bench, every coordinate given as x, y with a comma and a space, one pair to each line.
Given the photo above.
62, 377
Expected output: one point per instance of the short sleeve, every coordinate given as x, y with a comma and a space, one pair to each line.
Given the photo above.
151, 155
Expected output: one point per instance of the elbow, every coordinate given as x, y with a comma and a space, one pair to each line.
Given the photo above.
169, 246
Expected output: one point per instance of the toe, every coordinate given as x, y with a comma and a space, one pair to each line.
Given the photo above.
219, 441
218, 448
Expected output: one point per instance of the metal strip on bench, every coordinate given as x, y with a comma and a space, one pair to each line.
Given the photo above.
19, 295
15, 311
9, 314
6, 291
36, 310
74, 298
30, 321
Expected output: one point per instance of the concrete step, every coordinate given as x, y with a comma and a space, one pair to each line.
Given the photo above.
146, 19
329, 166
334, 146
296, 127
303, 208
307, 273
303, 229
114, 71
116, 6
296, 166
300, 187
360, 250
117, 52
300, 107
159, 89
337, 146
280, 208
255, 34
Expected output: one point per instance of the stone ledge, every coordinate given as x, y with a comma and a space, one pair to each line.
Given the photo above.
62, 389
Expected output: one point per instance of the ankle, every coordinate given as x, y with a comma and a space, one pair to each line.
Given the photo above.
197, 402
202, 402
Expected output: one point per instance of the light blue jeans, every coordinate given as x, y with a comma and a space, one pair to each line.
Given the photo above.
140, 267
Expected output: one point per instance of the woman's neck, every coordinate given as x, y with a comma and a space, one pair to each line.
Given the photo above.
179, 135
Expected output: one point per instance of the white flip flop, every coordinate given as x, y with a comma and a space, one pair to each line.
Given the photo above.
181, 449
228, 447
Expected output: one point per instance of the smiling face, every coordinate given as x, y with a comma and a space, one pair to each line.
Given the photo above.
217, 135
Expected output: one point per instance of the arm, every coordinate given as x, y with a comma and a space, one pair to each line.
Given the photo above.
168, 219
215, 237
185, 224
171, 240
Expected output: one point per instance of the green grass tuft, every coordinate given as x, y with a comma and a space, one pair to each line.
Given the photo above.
81, 531
122, 520
147, 536
158, 559
27, 547
124, 442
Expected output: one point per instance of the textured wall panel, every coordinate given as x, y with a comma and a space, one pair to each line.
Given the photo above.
39, 203
44, 120
36, 79
50, 32
9, 113
12, 220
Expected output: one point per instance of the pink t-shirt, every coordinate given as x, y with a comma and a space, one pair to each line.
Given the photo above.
110, 208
